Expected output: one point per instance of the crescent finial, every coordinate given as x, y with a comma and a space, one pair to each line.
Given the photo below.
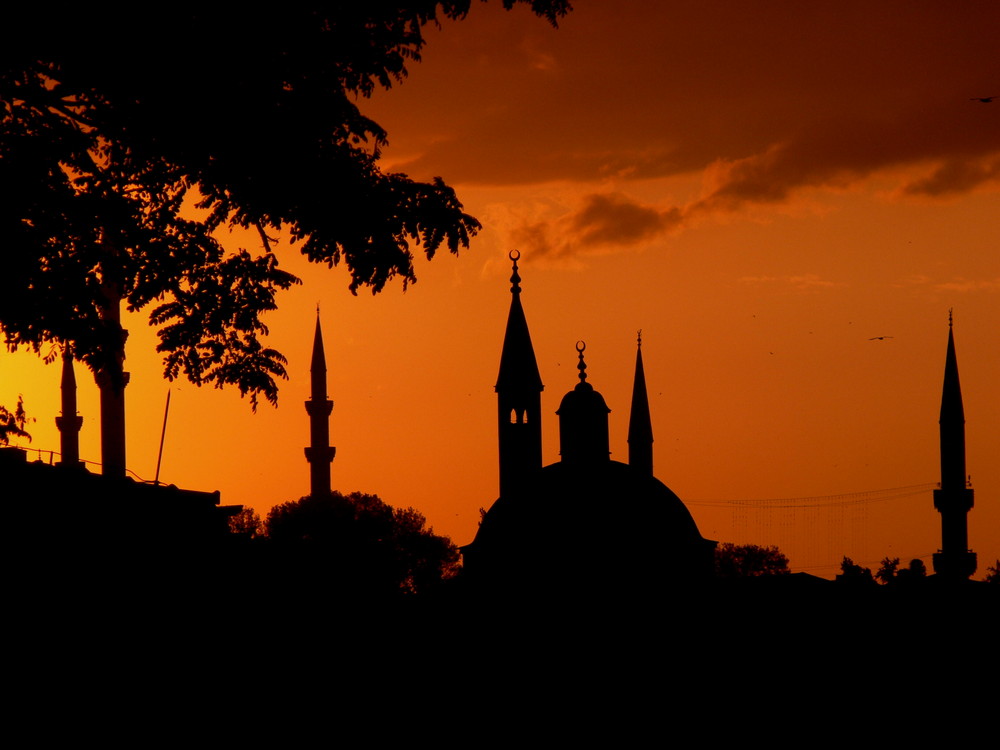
515, 278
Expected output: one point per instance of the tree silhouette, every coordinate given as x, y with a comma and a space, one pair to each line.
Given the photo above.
117, 174
852, 573
914, 572
246, 523
357, 542
889, 572
12, 423
993, 573
749, 560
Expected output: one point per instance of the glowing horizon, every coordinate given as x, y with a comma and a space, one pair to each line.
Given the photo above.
765, 193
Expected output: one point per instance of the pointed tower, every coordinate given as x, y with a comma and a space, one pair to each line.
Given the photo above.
319, 454
955, 498
69, 423
519, 396
640, 426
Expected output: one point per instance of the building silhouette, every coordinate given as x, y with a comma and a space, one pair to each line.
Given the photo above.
585, 523
954, 499
320, 453
71, 522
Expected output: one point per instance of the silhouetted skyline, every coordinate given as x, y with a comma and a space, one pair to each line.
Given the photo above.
666, 169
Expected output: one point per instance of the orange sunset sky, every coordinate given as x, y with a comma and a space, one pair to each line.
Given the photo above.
761, 187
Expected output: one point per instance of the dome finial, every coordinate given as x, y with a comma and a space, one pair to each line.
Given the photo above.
515, 279
949, 316
638, 338
581, 347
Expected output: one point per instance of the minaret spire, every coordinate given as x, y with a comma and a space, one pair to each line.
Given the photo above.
519, 401
640, 425
69, 423
319, 454
955, 498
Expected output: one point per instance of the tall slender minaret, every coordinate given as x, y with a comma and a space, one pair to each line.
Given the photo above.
519, 396
69, 423
319, 454
955, 498
640, 426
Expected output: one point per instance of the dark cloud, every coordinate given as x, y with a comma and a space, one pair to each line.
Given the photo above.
608, 221
848, 150
614, 219
765, 98
955, 176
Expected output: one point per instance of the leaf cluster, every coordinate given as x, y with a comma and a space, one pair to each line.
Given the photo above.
12, 423
91, 227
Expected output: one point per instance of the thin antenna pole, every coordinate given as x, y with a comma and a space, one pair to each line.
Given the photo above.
163, 435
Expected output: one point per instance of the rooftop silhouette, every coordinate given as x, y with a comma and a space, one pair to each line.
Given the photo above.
586, 522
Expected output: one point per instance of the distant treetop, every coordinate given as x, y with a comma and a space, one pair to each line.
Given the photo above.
749, 560
358, 541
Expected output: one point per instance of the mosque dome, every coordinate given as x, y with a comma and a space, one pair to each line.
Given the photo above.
588, 522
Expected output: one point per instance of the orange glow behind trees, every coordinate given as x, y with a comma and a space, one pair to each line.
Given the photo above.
764, 196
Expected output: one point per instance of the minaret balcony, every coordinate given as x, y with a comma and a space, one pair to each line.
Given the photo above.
320, 453
951, 500
316, 408
960, 565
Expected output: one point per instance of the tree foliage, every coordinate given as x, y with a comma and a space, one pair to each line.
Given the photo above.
993, 573
851, 572
889, 572
92, 225
749, 560
361, 540
12, 423
120, 162
246, 523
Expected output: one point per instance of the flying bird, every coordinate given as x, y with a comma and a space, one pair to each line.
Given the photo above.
984, 99
881, 338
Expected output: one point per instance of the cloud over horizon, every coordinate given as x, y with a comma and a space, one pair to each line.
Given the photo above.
763, 101
610, 220
806, 282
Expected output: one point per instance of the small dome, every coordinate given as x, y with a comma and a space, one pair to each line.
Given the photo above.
583, 425
583, 399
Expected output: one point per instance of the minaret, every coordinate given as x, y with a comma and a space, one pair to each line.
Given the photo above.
955, 498
69, 423
640, 426
519, 396
319, 453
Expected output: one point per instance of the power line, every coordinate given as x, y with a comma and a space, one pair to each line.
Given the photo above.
819, 501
